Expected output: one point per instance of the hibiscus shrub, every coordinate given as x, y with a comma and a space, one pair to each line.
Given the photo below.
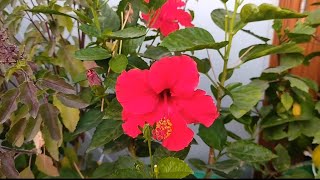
81, 80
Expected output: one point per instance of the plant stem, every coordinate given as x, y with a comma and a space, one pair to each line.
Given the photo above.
150, 152
229, 36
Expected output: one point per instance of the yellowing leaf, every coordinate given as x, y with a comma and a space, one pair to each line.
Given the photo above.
316, 156
70, 116
45, 164
27, 173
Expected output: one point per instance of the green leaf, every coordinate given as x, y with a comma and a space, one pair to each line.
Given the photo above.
56, 83
45, 164
225, 166
218, 17
286, 100
90, 30
203, 65
29, 97
47, 10
294, 130
72, 101
109, 20
261, 50
242, 103
118, 63
49, 114
190, 39
301, 32
69, 116
15, 134
128, 33
316, 139
4, 4
287, 62
197, 163
108, 130
250, 13
162, 152
313, 18
295, 82
283, 161
171, 167
156, 53
214, 136
92, 54
8, 104
249, 152
114, 110
317, 106
89, 120
103, 170
137, 62
129, 46
275, 133
264, 39
32, 128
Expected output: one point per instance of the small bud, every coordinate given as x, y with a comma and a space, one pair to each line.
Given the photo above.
296, 110
93, 78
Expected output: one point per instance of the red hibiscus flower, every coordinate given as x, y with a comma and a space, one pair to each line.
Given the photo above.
168, 17
166, 98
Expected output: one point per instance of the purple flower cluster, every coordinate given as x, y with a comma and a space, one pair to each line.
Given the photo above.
9, 53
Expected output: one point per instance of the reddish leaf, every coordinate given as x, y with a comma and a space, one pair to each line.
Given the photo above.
7, 165
29, 97
8, 104
57, 83
49, 114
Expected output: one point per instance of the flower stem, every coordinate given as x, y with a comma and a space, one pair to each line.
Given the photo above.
229, 33
150, 154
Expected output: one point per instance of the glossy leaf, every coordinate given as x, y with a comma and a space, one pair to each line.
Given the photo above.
29, 97
313, 18
128, 33
51, 145
89, 120
45, 164
8, 104
156, 53
197, 163
46, 10
295, 82
129, 46
287, 62
215, 136
118, 63
161, 152
137, 62
49, 114
203, 65
171, 167
90, 30
251, 12
218, 17
72, 101
249, 152
92, 54
190, 39
108, 130
283, 161
114, 110
286, 100
69, 116
109, 20
225, 166
261, 50
242, 103
56, 83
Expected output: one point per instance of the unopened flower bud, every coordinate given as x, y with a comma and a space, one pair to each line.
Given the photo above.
93, 78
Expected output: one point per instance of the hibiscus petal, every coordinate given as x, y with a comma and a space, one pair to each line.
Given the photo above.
133, 92
181, 135
132, 124
177, 73
199, 108
168, 27
184, 18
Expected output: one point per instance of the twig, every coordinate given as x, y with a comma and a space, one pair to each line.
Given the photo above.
78, 170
